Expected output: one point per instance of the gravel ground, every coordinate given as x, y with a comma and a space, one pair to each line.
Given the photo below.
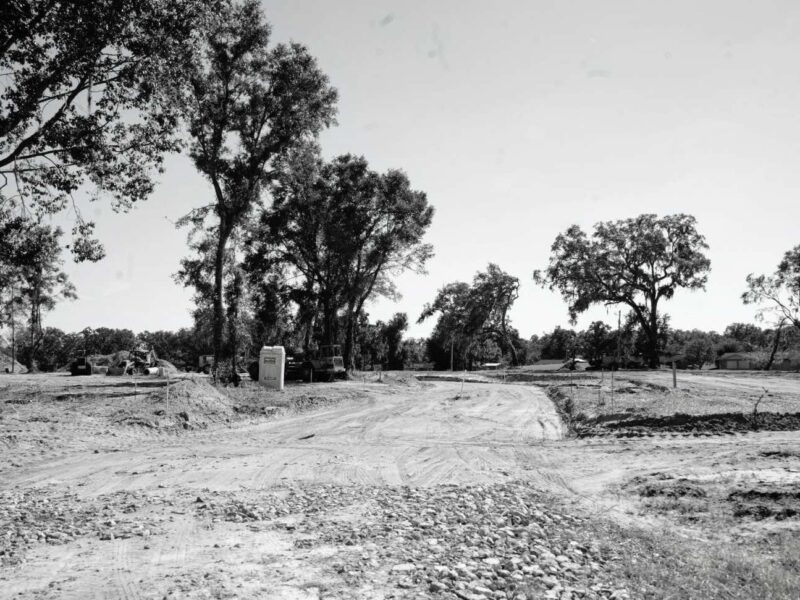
35, 516
477, 542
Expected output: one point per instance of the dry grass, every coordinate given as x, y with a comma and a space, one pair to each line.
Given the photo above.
666, 565
650, 393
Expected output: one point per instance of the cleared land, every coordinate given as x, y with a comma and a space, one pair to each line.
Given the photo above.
119, 488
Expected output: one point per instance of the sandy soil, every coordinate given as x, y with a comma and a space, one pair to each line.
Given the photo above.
419, 437
259, 503
401, 435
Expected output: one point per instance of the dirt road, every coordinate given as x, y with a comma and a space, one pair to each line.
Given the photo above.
421, 437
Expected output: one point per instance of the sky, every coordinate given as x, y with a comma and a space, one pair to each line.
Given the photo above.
518, 119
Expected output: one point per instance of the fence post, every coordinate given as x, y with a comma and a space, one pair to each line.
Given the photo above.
674, 375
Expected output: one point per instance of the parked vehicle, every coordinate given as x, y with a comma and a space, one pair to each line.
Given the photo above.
205, 363
80, 366
324, 365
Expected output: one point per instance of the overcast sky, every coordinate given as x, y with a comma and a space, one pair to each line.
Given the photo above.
519, 119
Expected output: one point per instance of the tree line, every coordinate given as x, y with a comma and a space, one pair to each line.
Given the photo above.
635, 265
377, 345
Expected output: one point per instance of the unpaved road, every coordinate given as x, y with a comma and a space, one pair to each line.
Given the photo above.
415, 437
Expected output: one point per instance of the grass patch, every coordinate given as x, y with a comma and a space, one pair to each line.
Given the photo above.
665, 565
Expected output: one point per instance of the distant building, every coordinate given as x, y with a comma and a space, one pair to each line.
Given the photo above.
758, 360
737, 361
790, 362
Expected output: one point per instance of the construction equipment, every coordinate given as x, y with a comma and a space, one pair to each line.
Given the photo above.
137, 361
80, 366
205, 363
324, 365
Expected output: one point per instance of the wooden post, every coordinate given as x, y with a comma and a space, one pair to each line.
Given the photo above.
600, 388
674, 375
612, 389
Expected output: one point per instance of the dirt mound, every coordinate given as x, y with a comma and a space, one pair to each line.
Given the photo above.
191, 402
672, 489
6, 363
167, 366
714, 424
714, 498
777, 503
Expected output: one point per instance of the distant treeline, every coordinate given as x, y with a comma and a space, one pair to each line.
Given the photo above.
378, 344
695, 347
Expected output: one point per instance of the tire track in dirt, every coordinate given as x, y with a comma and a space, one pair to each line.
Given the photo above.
410, 436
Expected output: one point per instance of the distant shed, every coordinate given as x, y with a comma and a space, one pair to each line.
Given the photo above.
736, 361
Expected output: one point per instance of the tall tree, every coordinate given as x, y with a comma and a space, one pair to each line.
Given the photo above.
494, 293
248, 104
778, 295
471, 314
392, 333
454, 327
345, 230
42, 282
85, 103
637, 262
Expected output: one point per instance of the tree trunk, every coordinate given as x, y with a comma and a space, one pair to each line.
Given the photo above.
219, 311
514, 360
653, 360
775, 344
328, 318
349, 337
13, 335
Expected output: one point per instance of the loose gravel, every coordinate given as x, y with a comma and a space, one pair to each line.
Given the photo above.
481, 542
35, 516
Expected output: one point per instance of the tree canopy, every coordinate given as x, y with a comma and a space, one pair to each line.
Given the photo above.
470, 315
340, 231
84, 101
778, 295
636, 262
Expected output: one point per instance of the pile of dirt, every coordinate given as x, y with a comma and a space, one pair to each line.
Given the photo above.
168, 367
702, 499
711, 424
6, 363
680, 488
767, 502
189, 403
